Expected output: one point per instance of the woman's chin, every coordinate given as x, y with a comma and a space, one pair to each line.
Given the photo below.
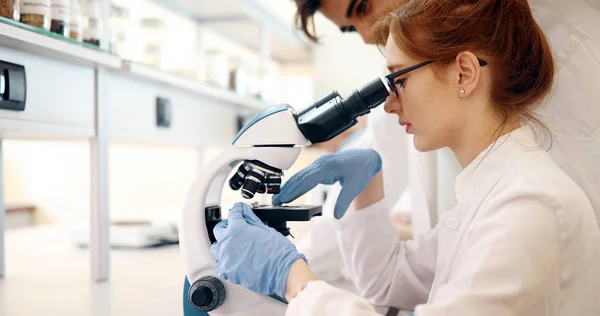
423, 145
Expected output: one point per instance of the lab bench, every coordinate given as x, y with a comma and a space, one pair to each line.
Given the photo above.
75, 91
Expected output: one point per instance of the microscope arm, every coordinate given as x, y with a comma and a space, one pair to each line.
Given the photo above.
195, 243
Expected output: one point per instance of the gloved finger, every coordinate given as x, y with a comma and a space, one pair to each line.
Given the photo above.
251, 218
220, 229
304, 181
289, 185
236, 215
347, 195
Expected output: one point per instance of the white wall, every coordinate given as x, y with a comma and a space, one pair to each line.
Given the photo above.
342, 61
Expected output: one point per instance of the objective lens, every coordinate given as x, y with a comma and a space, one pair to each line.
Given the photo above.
254, 179
273, 183
262, 189
237, 180
273, 188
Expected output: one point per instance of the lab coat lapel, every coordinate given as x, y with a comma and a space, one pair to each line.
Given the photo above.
477, 180
452, 228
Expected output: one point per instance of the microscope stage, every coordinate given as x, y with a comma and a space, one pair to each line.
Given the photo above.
288, 213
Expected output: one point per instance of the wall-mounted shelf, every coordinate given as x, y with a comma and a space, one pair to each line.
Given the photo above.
193, 86
34, 40
241, 20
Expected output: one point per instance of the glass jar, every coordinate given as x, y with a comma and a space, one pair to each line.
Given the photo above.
122, 32
91, 34
153, 38
9, 9
61, 17
92, 31
75, 25
36, 13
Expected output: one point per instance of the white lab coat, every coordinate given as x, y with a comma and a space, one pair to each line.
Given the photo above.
319, 244
573, 115
573, 112
522, 240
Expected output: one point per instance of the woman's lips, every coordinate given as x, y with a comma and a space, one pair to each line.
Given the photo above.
407, 124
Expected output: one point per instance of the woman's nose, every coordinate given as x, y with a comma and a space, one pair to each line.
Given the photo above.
392, 105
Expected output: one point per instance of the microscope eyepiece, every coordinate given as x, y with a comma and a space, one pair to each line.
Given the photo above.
331, 115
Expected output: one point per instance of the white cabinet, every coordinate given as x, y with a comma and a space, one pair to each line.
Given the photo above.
60, 98
196, 120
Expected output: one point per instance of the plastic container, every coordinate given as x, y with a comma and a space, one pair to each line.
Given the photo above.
153, 31
35, 13
61, 17
75, 25
9, 9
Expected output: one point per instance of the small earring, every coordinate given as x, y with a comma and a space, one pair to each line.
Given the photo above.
462, 91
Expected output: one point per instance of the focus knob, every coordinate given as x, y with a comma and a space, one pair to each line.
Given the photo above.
207, 293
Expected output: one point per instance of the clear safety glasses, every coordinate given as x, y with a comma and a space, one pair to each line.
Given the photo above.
396, 83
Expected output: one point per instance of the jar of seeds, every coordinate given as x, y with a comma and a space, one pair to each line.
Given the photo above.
75, 26
9, 9
36, 13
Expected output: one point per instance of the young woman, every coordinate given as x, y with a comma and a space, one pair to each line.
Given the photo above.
523, 238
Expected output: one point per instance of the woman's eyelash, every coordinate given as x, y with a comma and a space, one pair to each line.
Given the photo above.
362, 7
399, 82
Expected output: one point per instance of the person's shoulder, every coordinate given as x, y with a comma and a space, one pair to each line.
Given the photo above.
535, 171
541, 191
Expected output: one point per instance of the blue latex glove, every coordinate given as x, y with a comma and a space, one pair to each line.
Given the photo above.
251, 254
352, 168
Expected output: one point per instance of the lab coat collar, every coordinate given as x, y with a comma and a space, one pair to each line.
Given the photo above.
487, 167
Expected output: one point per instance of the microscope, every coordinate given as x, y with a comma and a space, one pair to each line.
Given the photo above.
269, 144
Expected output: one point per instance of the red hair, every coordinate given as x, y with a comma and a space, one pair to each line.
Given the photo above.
502, 32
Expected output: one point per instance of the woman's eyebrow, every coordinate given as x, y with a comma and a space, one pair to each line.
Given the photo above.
350, 8
393, 67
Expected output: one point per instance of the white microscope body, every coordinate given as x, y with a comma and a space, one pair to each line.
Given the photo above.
267, 145
272, 138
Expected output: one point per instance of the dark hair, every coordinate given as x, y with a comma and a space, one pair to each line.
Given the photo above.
502, 32
304, 17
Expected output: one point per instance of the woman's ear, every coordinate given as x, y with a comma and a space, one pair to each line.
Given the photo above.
469, 73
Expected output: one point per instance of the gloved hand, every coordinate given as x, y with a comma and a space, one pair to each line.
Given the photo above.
353, 168
251, 254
